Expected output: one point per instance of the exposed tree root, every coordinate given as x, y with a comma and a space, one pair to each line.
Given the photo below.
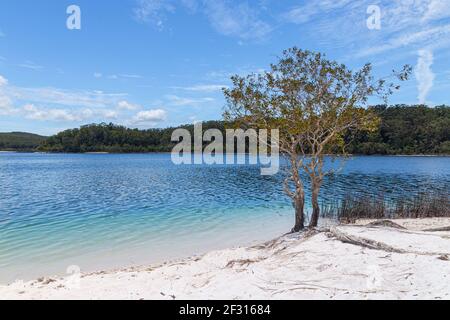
242, 263
437, 229
274, 244
373, 244
385, 223
362, 242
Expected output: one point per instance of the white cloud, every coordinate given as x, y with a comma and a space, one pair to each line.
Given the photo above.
231, 19
153, 11
239, 20
3, 81
110, 114
6, 107
2, 34
130, 76
34, 113
181, 101
204, 88
150, 116
424, 74
5, 103
341, 24
31, 65
191, 5
72, 98
437, 9
430, 36
98, 75
51, 104
305, 13
124, 76
125, 105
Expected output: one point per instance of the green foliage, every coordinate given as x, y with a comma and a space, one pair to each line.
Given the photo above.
20, 141
311, 100
116, 139
403, 130
406, 130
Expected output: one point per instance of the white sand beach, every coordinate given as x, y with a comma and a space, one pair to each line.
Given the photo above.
406, 260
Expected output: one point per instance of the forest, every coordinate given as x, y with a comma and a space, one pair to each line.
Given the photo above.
404, 129
20, 141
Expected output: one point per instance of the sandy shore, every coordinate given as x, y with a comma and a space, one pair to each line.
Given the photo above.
360, 261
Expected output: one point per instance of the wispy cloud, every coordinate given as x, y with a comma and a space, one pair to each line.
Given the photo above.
153, 11
176, 101
437, 9
122, 76
59, 105
426, 37
79, 98
6, 105
3, 81
305, 13
203, 88
424, 74
240, 20
78, 106
30, 65
342, 24
130, 76
32, 112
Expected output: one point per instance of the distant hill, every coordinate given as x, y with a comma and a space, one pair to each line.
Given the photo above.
20, 141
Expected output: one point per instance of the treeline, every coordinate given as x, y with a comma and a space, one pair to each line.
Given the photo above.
20, 141
117, 139
406, 130
403, 130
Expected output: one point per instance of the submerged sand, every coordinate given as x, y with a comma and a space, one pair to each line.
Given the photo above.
388, 261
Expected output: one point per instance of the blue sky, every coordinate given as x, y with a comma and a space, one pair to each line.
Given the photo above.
158, 63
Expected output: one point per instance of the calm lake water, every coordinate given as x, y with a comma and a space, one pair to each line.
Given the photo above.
108, 211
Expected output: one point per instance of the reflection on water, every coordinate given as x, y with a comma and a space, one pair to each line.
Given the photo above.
101, 211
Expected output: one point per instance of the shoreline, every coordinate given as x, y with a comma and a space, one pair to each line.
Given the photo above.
152, 247
169, 152
358, 261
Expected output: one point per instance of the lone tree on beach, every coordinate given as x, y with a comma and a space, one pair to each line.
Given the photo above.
313, 102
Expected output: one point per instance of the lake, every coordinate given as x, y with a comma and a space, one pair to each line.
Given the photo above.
102, 211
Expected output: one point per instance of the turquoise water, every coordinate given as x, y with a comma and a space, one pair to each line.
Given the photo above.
107, 211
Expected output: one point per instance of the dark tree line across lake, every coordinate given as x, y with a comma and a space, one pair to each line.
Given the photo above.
406, 130
20, 141
403, 130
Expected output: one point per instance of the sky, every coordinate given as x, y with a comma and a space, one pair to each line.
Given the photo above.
160, 63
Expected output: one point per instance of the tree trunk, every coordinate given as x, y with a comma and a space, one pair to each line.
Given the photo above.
299, 205
316, 208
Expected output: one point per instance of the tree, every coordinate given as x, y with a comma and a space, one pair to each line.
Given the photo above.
313, 102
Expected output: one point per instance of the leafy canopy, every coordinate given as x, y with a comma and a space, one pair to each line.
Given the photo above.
313, 101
